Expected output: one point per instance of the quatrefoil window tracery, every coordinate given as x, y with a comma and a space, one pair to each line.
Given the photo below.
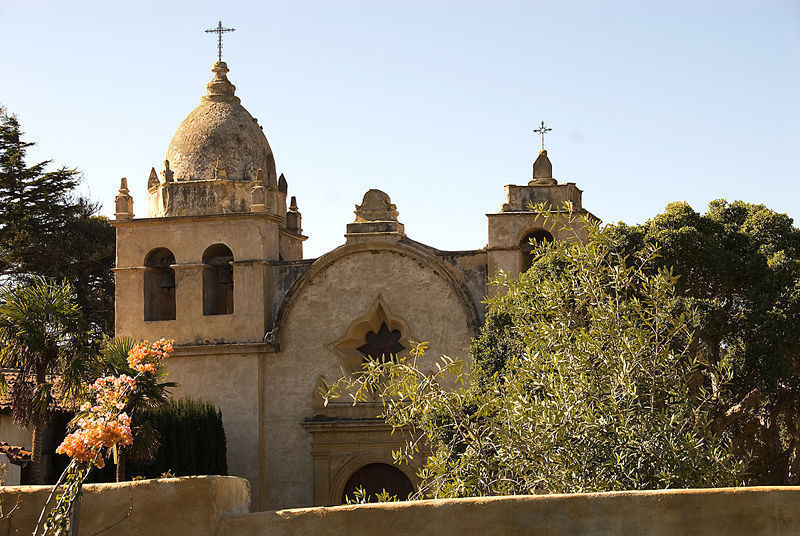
383, 344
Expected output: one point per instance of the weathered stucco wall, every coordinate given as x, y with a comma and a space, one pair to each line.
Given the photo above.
472, 265
229, 376
729, 512
286, 274
211, 506
173, 506
194, 197
553, 196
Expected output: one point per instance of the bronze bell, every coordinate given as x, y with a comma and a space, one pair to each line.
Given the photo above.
167, 280
225, 275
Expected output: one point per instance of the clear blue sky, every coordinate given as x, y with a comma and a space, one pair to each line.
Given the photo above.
432, 102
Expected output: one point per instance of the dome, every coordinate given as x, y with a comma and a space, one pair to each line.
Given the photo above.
220, 139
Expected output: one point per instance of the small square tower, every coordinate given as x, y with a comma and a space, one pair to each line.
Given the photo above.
538, 212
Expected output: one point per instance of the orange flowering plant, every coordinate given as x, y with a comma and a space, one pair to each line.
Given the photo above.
101, 426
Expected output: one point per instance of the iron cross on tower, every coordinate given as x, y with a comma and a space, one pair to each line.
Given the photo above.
219, 30
542, 130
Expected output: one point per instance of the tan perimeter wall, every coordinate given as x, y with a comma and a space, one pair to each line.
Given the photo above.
727, 512
172, 506
218, 506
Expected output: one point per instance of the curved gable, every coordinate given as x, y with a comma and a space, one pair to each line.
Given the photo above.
374, 269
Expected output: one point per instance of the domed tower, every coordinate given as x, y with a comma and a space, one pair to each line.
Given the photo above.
218, 248
200, 268
214, 158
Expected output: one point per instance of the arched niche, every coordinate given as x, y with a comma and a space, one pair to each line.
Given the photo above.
218, 280
375, 478
528, 244
159, 285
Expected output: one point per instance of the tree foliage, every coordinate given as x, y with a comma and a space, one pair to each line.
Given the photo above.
585, 379
48, 230
739, 267
38, 333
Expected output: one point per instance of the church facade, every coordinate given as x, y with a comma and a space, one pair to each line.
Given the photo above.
218, 266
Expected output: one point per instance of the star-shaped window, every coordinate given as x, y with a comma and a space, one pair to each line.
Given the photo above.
383, 345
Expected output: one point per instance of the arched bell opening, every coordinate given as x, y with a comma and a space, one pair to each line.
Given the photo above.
528, 243
376, 478
159, 285
218, 280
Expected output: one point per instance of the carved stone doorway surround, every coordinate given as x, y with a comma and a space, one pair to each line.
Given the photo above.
341, 446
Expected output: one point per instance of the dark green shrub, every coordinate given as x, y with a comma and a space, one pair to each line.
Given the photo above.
191, 440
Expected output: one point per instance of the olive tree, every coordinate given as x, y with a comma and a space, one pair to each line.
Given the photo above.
583, 379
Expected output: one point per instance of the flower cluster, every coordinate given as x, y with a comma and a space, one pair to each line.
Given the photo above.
146, 357
110, 392
103, 423
95, 433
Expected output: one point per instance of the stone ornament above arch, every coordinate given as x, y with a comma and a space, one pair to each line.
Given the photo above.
346, 348
376, 206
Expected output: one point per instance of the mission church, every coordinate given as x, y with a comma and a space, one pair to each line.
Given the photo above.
217, 264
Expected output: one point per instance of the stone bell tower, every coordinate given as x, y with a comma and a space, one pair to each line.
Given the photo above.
200, 267
529, 213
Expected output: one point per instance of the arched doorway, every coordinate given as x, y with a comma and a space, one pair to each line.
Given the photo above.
375, 478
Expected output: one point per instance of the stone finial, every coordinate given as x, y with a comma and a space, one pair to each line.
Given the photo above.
275, 194
376, 206
220, 88
272, 182
542, 171
152, 180
293, 217
257, 198
167, 173
123, 203
221, 172
272, 179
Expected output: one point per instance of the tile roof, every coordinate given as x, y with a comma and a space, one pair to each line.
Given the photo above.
16, 455
10, 376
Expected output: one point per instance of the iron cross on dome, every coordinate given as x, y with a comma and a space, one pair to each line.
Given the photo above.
542, 130
219, 30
